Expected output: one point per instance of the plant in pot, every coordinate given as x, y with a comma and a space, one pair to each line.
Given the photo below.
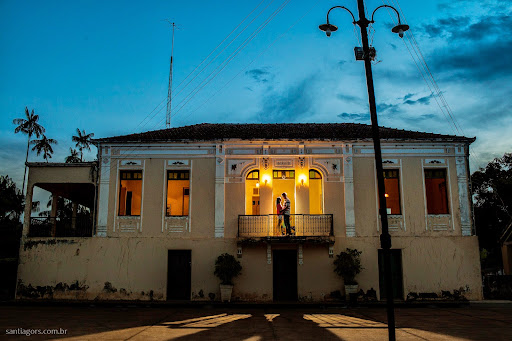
227, 267
347, 265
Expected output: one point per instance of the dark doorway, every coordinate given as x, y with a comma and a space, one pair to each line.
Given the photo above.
396, 274
285, 275
178, 274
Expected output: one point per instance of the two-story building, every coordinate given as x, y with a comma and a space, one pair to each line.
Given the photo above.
151, 216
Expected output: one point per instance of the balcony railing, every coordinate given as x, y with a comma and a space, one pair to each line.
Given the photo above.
303, 225
60, 227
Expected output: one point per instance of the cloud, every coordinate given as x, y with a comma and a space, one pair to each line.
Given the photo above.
355, 116
385, 108
406, 97
422, 100
291, 104
474, 49
348, 98
260, 75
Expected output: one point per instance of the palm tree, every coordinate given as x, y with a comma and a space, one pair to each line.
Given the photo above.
28, 126
73, 157
83, 141
44, 145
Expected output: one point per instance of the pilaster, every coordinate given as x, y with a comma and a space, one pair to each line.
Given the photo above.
348, 172
103, 193
220, 175
462, 181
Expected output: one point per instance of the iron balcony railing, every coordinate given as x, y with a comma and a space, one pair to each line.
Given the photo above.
302, 225
60, 227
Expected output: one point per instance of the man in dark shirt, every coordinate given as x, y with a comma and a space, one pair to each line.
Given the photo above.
286, 213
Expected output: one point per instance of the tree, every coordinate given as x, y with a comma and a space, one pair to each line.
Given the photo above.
44, 145
12, 202
73, 157
83, 141
28, 126
492, 198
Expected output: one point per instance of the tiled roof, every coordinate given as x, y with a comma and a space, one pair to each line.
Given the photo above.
280, 131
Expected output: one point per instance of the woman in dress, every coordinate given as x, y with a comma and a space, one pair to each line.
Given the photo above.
279, 212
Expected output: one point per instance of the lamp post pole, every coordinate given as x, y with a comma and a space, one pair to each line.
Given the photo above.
385, 237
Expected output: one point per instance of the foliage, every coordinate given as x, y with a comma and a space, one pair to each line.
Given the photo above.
347, 265
28, 126
44, 145
12, 202
72, 157
83, 141
227, 267
492, 198
64, 209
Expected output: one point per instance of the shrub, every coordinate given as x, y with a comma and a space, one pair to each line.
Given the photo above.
226, 268
348, 264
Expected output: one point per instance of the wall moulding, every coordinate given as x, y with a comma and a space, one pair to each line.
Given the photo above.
244, 151
284, 151
331, 167
237, 167
283, 163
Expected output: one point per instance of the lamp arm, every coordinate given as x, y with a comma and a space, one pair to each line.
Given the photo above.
346, 9
394, 9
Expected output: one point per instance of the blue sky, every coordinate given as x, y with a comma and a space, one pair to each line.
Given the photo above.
103, 66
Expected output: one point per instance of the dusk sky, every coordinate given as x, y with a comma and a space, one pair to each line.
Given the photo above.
103, 66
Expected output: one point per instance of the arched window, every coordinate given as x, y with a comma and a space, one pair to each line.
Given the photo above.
253, 175
252, 193
316, 197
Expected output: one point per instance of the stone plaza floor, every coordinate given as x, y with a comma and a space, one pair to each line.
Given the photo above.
140, 322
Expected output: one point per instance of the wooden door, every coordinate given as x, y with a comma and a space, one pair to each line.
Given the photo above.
179, 274
285, 275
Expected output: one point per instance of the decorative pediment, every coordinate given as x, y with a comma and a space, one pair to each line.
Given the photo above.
178, 163
131, 163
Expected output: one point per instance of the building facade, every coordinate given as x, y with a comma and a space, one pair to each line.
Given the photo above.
163, 205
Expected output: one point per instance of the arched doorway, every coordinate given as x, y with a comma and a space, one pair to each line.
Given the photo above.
252, 193
316, 195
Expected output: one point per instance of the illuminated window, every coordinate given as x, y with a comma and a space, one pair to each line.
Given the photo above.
315, 192
284, 174
130, 193
254, 175
178, 193
392, 187
436, 191
252, 193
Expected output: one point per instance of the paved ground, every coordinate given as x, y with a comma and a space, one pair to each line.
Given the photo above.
482, 322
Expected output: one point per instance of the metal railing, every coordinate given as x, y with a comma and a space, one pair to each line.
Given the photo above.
60, 227
271, 225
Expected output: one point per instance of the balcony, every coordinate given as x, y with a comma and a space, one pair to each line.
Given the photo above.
312, 227
60, 227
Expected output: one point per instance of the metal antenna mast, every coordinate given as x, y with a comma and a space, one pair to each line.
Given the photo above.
169, 90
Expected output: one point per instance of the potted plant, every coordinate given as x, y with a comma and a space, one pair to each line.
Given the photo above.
347, 265
227, 267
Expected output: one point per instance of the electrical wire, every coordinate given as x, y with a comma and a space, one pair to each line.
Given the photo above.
250, 63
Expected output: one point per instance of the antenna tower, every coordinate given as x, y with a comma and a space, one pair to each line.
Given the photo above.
169, 90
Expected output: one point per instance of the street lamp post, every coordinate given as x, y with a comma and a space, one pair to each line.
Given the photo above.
385, 237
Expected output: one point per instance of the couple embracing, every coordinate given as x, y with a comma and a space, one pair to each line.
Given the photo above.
283, 212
